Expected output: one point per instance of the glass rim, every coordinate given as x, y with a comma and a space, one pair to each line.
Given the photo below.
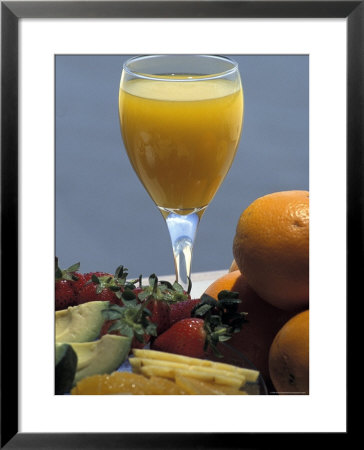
156, 77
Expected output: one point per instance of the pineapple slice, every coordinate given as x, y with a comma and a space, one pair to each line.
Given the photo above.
197, 387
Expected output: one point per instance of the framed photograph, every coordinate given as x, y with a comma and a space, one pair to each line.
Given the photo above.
49, 52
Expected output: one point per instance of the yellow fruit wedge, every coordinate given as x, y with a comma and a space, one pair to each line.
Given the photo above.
193, 386
250, 375
205, 375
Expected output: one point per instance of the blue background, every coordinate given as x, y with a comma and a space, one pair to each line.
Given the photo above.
105, 218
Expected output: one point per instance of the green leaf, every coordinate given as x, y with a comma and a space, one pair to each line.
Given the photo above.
147, 312
200, 310
143, 295
177, 287
227, 302
74, 267
66, 276
58, 273
116, 326
99, 289
140, 338
151, 329
119, 271
153, 281
205, 298
128, 295
95, 279
112, 315
114, 307
166, 283
114, 288
126, 330
130, 303
227, 294
224, 338
138, 329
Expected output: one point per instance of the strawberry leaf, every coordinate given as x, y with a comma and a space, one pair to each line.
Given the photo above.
99, 289
119, 272
200, 310
143, 295
151, 329
227, 294
166, 283
95, 279
74, 267
124, 329
111, 315
177, 287
128, 295
58, 273
153, 281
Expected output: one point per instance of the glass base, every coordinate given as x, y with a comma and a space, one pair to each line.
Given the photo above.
182, 226
182, 212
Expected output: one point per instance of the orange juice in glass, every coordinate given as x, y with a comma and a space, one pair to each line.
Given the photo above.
181, 119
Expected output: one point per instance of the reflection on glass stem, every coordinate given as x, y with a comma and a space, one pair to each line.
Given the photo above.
182, 230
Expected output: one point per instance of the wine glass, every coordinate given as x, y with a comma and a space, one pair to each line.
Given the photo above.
181, 119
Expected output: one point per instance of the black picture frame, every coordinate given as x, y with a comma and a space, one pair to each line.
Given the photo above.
11, 13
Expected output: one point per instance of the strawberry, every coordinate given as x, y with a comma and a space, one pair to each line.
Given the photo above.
64, 295
212, 322
186, 337
89, 275
159, 297
182, 310
104, 286
68, 282
98, 289
132, 320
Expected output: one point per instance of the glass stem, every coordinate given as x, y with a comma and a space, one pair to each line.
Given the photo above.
182, 230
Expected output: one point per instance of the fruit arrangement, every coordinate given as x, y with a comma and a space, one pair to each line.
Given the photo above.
118, 315
261, 306
156, 373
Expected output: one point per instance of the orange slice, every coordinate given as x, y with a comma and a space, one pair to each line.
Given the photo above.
117, 383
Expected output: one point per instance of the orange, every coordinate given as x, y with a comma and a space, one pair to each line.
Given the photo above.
289, 356
163, 386
116, 383
264, 320
225, 282
271, 248
125, 383
233, 266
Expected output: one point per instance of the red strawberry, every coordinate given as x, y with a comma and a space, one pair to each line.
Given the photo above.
68, 282
94, 291
160, 314
213, 322
186, 337
158, 297
89, 275
64, 295
182, 310
104, 286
